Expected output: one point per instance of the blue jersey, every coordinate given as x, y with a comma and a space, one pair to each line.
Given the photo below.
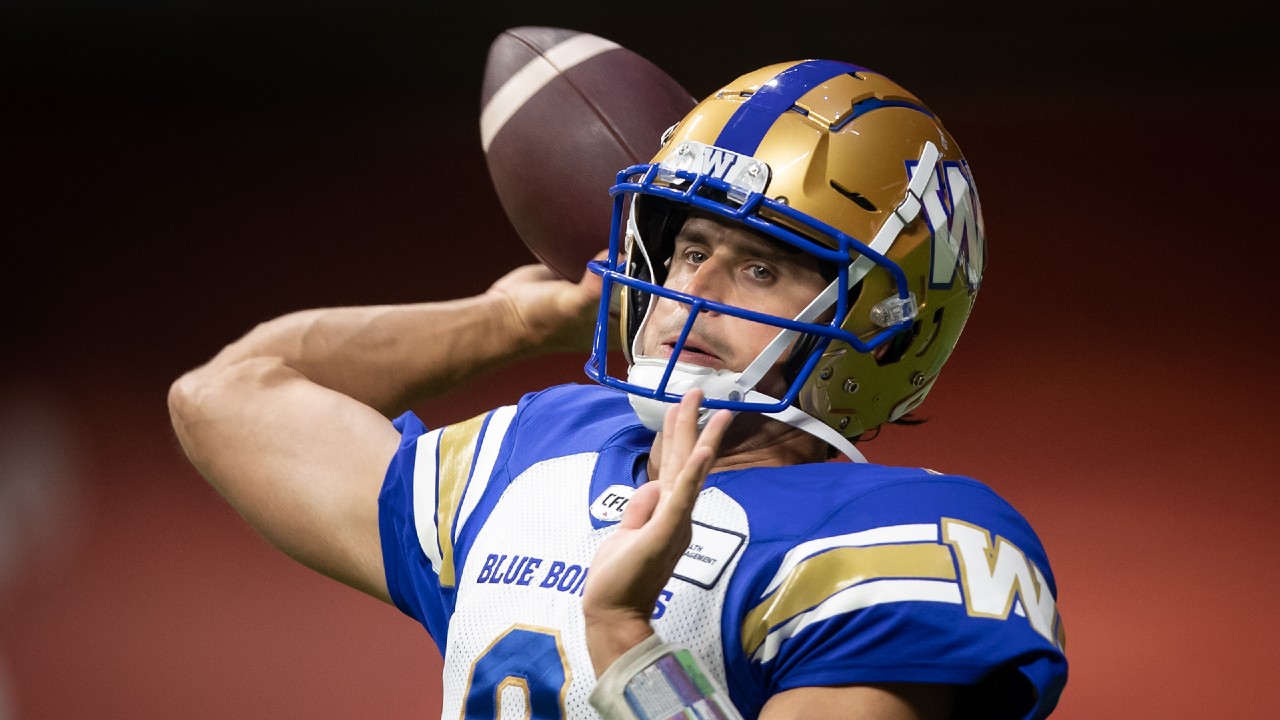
798, 576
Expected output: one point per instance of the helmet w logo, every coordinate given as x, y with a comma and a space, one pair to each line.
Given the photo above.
955, 220
717, 162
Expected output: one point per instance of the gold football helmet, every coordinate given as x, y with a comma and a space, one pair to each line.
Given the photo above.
837, 161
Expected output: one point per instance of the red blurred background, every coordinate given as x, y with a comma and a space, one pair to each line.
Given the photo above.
177, 172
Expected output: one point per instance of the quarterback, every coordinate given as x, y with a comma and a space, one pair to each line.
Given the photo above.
679, 538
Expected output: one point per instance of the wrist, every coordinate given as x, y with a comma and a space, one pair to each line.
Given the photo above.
510, 323
610, 635
545, 317
656, 680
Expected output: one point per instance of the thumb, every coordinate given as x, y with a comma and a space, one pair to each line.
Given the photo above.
641, 505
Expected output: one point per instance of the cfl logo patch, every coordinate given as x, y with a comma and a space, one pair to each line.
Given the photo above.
954, 215
609, 505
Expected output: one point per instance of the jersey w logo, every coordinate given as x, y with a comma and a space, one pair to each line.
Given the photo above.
952, 562
998, 575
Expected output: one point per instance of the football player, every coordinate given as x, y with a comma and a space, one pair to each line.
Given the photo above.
793, 269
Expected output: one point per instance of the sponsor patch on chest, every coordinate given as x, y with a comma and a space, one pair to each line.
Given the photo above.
708, 554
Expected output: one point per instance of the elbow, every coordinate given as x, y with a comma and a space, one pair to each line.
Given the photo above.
201, 393
203, 402
188, 396
182, 394
211, 400
210, 410
184, 404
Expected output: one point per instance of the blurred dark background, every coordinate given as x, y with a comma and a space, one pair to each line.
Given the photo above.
175, 172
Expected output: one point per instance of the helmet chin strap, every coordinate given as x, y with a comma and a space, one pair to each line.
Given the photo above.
719, 385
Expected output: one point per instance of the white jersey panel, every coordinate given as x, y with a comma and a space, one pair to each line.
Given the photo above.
538, 522
519, 607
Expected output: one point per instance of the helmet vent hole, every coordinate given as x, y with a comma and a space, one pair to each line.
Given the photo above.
857, 198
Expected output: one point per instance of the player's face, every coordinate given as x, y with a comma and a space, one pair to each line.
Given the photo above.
720, 261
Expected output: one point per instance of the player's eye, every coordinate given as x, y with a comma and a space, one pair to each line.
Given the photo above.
696, 257
761, 273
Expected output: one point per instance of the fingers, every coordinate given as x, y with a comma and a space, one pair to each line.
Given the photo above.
679, 435
687, 456
589, 280
680, 431
714, 431
692, 469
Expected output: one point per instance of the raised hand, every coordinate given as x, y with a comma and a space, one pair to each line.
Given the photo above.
552, 313
635, 562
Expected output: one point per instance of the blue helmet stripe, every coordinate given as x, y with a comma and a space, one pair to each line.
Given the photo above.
747, 127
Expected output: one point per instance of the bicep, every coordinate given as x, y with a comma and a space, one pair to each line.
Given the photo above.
301, 463
890, 701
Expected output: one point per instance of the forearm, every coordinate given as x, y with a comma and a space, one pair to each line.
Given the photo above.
391, 356
289, 421
285, 422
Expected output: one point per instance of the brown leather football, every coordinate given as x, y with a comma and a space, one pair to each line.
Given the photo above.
561, 113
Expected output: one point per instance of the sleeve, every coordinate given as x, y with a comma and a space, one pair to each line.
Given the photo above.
433, 484
937, 581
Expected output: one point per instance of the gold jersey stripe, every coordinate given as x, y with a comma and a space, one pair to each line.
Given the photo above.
821, 576
457, 449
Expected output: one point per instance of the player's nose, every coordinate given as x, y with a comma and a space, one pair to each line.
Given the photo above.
710, 280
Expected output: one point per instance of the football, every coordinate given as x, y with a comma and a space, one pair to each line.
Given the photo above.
562, 112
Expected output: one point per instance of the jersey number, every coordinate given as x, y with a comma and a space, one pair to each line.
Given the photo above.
528, 659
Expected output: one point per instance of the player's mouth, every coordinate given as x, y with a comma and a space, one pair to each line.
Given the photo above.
693, 353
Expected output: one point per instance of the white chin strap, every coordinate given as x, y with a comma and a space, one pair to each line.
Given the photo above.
719, 385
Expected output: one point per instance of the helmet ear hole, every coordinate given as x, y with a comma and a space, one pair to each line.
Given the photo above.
893, 350
934, 327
